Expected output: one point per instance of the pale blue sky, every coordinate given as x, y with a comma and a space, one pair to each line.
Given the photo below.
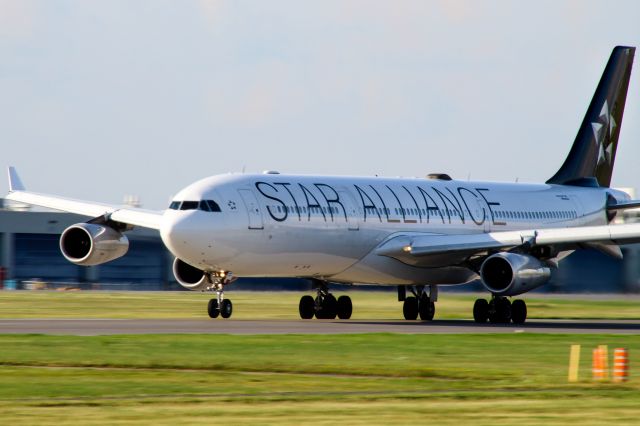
104, 98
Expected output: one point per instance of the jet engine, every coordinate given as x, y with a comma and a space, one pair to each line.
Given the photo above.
89, 244
190, 277
510, 274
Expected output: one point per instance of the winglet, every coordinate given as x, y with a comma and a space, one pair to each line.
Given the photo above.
15, 184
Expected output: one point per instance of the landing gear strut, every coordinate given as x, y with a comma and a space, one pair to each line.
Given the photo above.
422, 303
500, 311
325, 305
220, 306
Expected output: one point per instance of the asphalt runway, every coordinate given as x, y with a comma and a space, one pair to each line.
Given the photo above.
93, 327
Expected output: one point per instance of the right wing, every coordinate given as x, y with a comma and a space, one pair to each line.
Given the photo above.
433, 249
127, 215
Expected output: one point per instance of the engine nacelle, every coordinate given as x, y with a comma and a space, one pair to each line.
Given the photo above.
190, 277
510, 274
88, 244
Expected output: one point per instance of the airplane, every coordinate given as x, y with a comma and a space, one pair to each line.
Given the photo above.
417, 234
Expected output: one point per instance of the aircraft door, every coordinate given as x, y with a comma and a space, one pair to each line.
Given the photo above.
253, 209
482, 213
351, 210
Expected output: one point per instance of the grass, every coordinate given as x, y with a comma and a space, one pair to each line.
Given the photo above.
294, 379
484, 379
280, 305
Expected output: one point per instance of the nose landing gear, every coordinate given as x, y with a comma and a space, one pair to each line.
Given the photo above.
220, 306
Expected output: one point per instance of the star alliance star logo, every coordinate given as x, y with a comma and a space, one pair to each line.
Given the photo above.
232, 205
605, 124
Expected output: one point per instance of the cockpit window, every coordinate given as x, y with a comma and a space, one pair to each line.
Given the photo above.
189, 205
204, 205
213, 206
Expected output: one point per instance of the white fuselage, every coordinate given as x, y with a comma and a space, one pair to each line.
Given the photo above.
274, 225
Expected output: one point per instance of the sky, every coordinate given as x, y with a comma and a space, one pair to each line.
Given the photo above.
102, 99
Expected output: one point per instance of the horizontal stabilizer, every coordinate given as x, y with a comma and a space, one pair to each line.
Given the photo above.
631, 204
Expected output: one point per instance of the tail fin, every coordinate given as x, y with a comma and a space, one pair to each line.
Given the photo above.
590, 161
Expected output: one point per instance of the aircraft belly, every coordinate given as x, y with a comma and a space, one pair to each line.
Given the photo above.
375, 269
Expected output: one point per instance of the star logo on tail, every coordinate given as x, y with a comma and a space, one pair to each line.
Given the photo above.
605, 125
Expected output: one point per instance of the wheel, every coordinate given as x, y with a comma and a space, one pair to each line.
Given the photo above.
518, 311
410, 308
307, 307
226, 309
501, 312
344, 307
481, 310
328, 307
426, 309
213, 308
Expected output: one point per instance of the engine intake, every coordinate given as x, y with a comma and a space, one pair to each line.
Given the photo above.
189, 277
88, 244
510, 274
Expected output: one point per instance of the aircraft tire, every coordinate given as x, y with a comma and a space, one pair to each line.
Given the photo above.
344, 307
306, 307
328, 307
501, 312
213, 309
226, 309
518, 311
426, 309
410, 308
481, 311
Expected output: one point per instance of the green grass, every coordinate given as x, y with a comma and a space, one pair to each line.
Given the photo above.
279, 305
294, 379
485, 379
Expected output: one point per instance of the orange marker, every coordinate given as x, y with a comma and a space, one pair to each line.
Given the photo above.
620, 365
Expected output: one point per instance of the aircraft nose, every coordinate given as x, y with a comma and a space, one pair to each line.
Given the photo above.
178, 233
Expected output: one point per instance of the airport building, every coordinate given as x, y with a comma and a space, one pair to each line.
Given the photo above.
29, 252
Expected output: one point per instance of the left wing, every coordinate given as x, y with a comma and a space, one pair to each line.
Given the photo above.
427, 250
127, 215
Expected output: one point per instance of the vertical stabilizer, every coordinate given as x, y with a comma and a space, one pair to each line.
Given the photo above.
594, 150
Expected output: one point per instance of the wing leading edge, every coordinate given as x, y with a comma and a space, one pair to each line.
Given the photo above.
130, 216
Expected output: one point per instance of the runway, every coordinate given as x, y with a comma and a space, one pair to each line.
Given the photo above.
94, 327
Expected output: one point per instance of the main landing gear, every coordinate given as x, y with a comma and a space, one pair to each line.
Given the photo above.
500, 310
422, 303
325, 305
220, 306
